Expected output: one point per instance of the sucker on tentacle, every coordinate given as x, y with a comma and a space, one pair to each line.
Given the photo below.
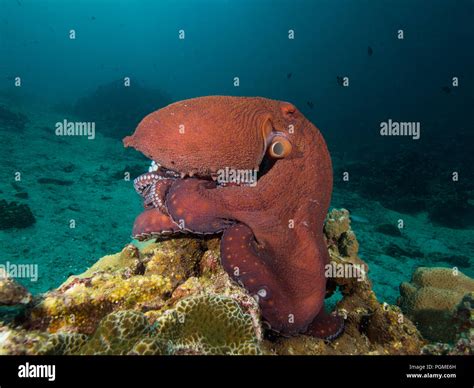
155, 195
144, 181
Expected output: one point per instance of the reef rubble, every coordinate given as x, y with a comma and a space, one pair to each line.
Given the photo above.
173, 297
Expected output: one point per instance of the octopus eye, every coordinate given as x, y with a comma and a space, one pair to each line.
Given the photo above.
280, 148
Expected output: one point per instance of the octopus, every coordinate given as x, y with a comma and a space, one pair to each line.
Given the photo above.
270, 219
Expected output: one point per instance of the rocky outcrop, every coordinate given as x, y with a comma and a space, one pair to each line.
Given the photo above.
173, 297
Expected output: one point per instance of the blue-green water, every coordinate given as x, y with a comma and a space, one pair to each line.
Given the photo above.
344, 64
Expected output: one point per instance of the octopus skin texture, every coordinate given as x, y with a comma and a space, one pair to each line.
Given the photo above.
272, 230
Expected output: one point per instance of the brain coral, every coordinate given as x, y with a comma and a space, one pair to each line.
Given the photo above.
209, 324
24, 342
431, 299
123, 332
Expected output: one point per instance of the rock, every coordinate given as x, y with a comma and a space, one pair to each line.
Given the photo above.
431, 298
15, 215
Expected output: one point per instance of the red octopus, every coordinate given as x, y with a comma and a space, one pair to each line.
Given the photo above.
271, 217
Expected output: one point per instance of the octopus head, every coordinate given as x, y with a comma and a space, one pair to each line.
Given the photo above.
200, 136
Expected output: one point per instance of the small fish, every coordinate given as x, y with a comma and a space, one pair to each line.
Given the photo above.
446, 89
289, 75
370, 51
310, 104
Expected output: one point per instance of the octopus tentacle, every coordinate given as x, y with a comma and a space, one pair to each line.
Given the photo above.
245, 264
155, 194
144, 181
153, 223
326, 326
188, 206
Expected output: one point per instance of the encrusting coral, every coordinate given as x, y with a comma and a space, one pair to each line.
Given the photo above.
12, 293
209, 324
115, 282
174, 297
431, 300
463, 319
20, 341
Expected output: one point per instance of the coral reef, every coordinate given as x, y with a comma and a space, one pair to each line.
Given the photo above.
431, 300
15, 215
79, 306
115, 282
173, 297
146, 301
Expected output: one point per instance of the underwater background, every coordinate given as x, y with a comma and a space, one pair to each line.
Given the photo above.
346, 68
